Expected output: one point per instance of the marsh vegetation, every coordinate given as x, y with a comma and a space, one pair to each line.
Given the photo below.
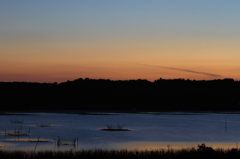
117, 128
190, 153
43, 125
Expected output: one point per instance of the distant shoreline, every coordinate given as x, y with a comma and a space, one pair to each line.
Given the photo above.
115, 112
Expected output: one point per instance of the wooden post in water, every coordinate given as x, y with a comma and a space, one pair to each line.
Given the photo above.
225, 124
36, 144
18, 135
77, 143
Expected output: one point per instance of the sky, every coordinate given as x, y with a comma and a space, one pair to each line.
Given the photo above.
60, 40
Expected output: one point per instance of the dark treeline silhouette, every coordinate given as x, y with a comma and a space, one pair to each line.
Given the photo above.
104, 94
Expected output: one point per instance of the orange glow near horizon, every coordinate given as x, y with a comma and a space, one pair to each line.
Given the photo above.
69, 61
60, 61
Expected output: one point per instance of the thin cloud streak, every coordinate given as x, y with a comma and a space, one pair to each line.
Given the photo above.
178, 69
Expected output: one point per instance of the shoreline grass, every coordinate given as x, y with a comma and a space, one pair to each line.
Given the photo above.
189, 153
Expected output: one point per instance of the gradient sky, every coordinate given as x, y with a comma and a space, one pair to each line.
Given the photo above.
60, 40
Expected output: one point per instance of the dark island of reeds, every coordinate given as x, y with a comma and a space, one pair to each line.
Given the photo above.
114, 129
190, 153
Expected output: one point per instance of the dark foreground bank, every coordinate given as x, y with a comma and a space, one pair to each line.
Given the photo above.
125, 154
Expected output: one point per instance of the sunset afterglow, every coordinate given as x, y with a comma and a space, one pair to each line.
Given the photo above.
56, 41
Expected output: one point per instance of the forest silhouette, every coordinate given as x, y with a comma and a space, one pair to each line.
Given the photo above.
105, 94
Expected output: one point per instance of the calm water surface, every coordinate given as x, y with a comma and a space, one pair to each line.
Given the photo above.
148, 131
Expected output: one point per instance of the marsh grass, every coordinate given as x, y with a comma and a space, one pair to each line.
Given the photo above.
118, 128
123, 154
43, 125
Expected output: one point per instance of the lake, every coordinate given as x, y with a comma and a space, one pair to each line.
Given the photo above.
148, 130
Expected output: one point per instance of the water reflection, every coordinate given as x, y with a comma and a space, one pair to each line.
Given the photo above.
2, 145
118, 146
158, 131
172, 145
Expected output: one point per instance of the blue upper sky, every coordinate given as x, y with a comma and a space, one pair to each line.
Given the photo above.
123, 17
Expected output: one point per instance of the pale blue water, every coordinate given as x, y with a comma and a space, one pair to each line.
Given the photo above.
146, 128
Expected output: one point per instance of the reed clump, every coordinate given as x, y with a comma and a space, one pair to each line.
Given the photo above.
123, 154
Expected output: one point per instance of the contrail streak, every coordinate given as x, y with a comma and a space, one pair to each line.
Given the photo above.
178, 69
